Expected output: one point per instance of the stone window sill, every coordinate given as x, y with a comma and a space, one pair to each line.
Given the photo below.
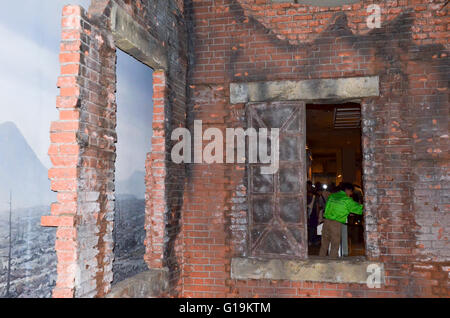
347, 270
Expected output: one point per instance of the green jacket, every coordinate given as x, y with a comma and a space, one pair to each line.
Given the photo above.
339, 206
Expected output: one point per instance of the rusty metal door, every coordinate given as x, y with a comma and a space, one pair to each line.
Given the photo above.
277, 203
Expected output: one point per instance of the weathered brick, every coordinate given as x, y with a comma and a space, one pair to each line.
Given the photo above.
194, 222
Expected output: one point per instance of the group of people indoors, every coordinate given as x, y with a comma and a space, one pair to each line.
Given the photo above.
328, 207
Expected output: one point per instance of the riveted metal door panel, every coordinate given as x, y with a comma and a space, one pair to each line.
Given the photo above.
277, 202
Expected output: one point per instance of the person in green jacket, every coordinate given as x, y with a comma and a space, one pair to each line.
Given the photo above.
339, 206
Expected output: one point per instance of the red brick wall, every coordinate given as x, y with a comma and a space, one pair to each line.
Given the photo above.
83, 146
82, 141
405, 134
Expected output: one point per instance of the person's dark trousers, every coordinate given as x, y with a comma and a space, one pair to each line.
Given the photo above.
331, 233
313, 222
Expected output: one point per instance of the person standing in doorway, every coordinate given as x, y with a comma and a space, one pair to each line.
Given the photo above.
321, 201
339, 206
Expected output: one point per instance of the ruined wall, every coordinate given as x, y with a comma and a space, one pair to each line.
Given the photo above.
196, 218
84, 137
405, 134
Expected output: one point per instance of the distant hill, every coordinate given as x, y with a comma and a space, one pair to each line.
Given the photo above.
21, 171
134, 185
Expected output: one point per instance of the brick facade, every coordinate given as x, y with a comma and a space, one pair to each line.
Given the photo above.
197, 213
405, 135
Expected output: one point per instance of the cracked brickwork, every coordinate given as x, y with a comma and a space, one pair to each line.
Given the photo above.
196, 214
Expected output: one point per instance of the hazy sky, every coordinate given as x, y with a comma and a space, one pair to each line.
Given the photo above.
134, 115
29, 68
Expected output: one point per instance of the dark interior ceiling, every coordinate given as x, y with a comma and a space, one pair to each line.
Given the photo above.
323, 139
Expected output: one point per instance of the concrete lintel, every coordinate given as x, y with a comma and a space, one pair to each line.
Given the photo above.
132, 38
315, 90
314, 270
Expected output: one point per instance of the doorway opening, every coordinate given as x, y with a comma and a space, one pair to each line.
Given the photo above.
334, 156
134, 135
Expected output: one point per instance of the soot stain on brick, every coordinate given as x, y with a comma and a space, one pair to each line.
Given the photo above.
102, 224
106, 51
